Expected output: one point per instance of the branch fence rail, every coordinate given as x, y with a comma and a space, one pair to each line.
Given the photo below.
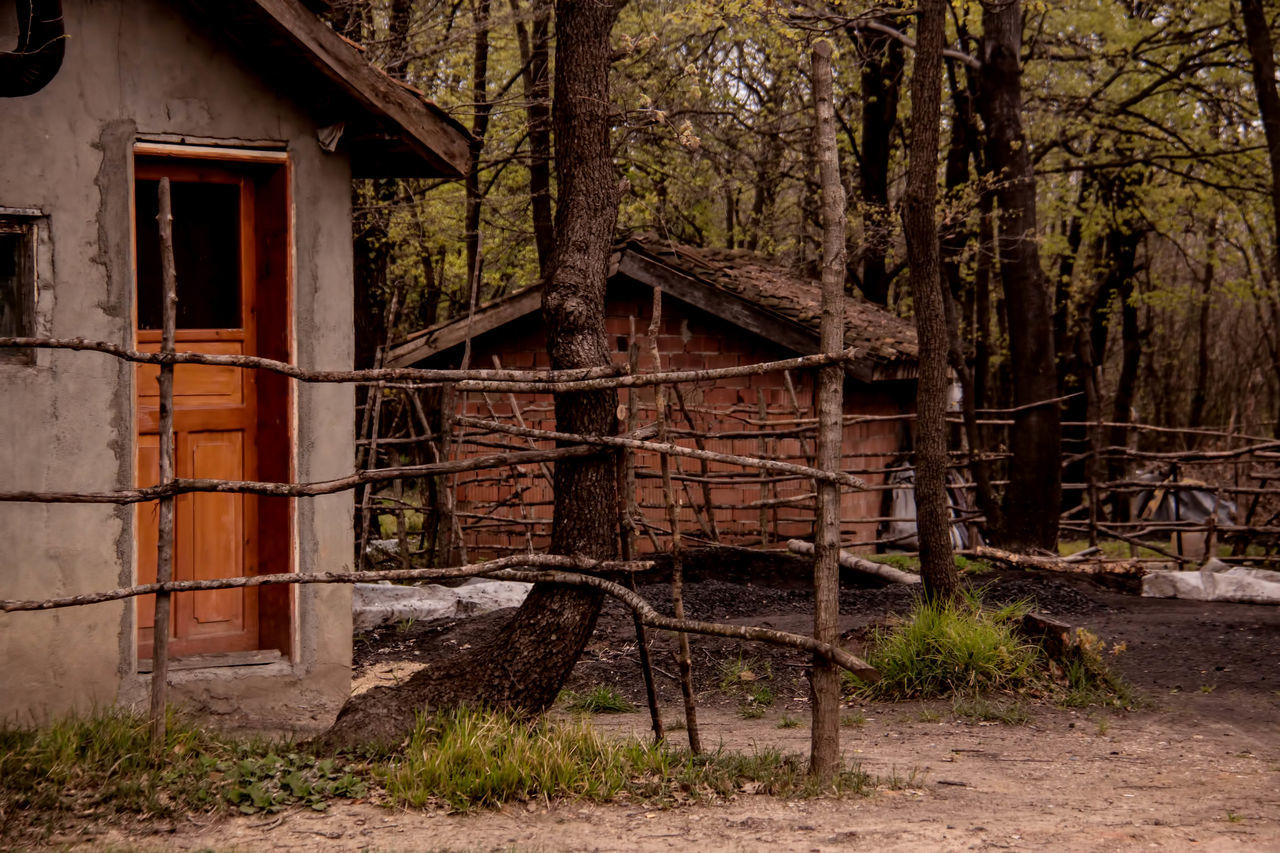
411, 452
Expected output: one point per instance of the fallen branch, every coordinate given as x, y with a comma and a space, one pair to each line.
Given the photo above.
1058, 564
654, 619
857, 564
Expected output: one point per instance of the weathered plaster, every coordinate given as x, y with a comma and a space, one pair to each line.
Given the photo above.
133, 69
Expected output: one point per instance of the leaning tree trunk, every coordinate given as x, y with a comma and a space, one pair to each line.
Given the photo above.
937, 567
526, 663
1032, 500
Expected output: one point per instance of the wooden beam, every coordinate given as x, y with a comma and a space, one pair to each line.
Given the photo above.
433, 342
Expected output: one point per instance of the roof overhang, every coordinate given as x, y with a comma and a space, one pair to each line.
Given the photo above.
634, 266
386, 128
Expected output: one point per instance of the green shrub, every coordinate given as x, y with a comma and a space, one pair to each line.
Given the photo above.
945, 648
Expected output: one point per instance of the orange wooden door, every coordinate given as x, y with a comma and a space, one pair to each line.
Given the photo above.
215, 408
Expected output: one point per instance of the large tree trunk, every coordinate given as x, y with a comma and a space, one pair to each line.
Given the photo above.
530, 658
937, 566
954, 237
1263, 65
882, 68
1035, 479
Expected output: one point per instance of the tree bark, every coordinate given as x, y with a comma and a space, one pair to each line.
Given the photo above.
530, 658
479, 129
882, 70
824, 748
1263, 65
919, 207
535, 53
1035, 479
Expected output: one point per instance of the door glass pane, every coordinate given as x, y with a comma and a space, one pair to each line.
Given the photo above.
206, 252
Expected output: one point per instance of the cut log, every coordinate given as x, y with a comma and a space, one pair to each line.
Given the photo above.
857, 564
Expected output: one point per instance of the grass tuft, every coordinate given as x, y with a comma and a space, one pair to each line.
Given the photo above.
600, 699
945, 648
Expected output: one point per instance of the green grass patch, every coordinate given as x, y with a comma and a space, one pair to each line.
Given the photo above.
748, 679
466, 760
600, 699
102, 764
945, 648
962, 649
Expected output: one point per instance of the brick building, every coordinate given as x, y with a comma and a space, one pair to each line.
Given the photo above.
720, 309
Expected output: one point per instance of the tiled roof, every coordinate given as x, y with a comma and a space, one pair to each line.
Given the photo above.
876, 332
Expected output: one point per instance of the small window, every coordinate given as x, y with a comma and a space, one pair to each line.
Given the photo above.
17, 284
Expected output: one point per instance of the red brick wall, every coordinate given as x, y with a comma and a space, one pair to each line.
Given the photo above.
504, 510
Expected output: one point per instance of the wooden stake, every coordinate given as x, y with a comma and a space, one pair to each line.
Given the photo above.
164, 537
683, 658
824, 752
627, 531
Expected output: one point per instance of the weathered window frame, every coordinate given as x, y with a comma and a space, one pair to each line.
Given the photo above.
23, 225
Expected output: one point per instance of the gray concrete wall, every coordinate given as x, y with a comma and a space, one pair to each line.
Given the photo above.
139, 67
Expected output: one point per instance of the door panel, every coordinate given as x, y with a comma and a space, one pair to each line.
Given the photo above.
215, 407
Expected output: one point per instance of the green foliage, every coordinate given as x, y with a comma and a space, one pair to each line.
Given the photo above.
945, 648
600, 699
466, 760
102, 763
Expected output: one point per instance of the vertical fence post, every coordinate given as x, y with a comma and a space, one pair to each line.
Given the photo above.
164, 538
683, 658
824, 742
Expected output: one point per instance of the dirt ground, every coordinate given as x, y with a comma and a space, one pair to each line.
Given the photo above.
1195, 767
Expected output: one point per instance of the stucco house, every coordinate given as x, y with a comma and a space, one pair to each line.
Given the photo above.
260, 115
720, 309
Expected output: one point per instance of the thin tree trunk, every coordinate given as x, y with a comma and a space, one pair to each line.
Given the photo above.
479, 129
882, 69
1199, 396
824, 748
534, 53
1035, 479
937, 565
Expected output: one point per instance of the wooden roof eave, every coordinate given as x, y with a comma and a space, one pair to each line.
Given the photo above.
742, 312
437, 339
637, 267
383, 118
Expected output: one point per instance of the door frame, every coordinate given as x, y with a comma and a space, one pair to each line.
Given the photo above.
270, 329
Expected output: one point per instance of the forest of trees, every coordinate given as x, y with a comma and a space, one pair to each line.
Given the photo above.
1124, 134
